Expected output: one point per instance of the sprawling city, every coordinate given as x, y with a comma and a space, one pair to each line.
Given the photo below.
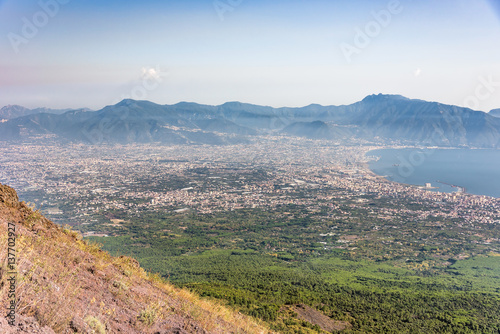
249, 167
203, 216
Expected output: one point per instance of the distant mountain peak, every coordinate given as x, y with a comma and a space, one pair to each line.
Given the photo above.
126, 102
13, 106
495, 112
234, 104
381, 97
12, 111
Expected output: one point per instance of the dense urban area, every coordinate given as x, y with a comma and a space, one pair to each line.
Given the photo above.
276, 223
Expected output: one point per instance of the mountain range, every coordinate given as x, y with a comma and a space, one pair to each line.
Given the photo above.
14, 111
377, 118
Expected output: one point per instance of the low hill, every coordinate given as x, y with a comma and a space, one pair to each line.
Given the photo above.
66, 285
319, 130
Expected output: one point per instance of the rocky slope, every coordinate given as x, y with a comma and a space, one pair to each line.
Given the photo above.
66, 285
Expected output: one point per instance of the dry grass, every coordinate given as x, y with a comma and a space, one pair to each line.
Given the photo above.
65, 282
209, 312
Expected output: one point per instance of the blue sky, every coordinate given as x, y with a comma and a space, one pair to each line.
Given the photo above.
279, 53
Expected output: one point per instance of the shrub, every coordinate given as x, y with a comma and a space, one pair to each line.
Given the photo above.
150, 314
96, 325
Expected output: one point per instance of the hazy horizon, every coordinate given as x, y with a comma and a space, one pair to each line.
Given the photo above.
73, 54
243, 102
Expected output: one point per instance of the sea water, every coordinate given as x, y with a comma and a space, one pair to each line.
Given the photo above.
476, 171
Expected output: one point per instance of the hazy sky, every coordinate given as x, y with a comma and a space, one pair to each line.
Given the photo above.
86, 53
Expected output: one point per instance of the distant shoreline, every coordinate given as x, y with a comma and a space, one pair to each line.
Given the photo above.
449, 185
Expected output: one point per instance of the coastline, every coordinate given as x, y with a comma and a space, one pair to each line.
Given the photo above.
447, 185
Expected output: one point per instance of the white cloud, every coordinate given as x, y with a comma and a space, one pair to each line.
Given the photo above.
150, 72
